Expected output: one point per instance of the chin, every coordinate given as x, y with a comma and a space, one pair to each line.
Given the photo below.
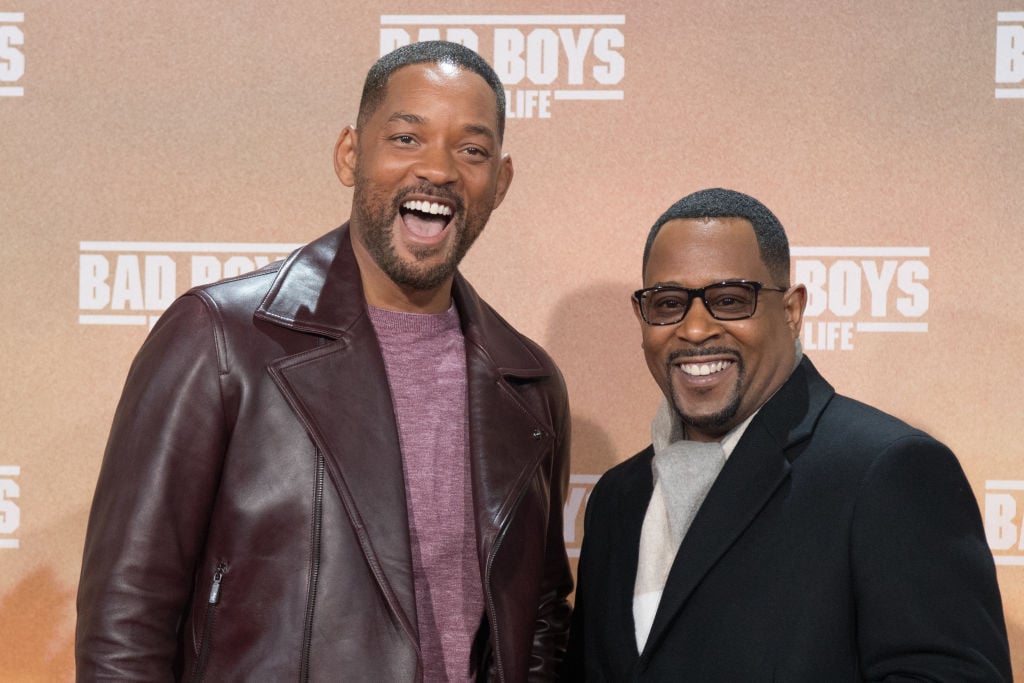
721, 420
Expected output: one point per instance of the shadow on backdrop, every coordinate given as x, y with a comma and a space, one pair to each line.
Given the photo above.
595, 340
34, 610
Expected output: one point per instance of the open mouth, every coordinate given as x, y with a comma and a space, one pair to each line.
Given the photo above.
426, 218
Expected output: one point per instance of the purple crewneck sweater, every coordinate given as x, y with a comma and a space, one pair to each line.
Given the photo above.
425, 358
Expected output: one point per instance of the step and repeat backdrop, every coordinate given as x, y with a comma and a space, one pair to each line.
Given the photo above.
146, 147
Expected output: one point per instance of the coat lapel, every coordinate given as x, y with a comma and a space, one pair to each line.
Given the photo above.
340, 393
349, 415
631, 507
751, 475
509, 432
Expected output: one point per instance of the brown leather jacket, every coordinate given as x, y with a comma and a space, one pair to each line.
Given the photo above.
250, 523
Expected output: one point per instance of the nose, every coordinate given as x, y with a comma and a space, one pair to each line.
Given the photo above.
435, 165
698, 326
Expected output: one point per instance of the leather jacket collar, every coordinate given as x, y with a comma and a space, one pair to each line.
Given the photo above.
317, 290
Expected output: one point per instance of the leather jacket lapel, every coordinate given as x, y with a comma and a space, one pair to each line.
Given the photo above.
339, 391
507, 441
509, 432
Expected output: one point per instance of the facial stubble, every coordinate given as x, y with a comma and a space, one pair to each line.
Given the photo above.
376, 213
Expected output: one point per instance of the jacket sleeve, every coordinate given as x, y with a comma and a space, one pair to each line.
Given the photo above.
551, 632
928, 604
151, 508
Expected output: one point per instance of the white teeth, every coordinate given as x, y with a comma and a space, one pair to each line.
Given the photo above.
701, 369
428, 207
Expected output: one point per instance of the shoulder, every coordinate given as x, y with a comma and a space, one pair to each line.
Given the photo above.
499, 330
632, 477
631, 467
853, 424
238, 295
203, 310
821, 428
891, 464
507, 347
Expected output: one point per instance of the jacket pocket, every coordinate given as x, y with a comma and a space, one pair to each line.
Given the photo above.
211, 615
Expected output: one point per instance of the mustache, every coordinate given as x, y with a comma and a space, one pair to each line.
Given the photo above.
428, 190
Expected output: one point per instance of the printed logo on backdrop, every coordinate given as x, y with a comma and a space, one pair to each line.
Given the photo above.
1010, 55
861, 290
1004, 525
12, 59
10, 513
132, 283
544, 60
580, 486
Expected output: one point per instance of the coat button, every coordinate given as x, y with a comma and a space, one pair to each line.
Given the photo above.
537, 434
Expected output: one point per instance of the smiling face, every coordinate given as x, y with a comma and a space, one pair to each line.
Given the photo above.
427, 170
717, 373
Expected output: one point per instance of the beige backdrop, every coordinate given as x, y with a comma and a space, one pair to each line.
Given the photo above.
145, 146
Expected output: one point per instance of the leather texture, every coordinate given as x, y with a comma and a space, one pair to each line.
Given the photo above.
255, 449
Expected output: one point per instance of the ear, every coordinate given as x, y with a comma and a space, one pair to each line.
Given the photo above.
794, 301
636, 311
345, 156
505, 173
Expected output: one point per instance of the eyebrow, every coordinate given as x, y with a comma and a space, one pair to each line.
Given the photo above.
408, 118
475, 129
471, 128
678, 285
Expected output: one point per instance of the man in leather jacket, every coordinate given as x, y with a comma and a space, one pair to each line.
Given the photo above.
344, 466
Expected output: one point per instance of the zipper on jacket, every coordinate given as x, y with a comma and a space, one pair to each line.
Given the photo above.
211, 611
314, 565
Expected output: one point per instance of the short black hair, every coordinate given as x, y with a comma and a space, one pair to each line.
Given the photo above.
772, 243
427, 52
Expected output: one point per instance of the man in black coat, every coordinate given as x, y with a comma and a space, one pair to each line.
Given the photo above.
773, 531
